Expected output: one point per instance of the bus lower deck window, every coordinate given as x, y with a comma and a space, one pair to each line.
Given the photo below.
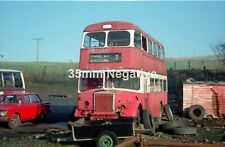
90, 83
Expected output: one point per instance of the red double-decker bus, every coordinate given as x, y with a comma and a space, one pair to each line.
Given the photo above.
122, 74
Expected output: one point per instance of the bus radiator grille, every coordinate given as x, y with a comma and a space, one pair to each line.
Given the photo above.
104, 102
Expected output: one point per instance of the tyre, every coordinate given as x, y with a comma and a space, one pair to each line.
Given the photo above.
106, 139
15, 122
170, 125
158, 119
42, 117
168, 112
184, 130
148, 121
196, 112
209, 117
72, 117
138, 120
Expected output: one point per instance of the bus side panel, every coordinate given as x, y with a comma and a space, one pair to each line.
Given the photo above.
127, 60
154, 101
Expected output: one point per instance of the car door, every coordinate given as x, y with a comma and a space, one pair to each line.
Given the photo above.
39, 105
36, 104
26, 108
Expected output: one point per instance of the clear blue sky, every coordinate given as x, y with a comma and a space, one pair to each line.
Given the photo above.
184, 28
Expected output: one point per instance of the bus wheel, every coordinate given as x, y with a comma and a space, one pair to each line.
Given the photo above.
148, 121
158, 119
106, 139
138, 120
168, 112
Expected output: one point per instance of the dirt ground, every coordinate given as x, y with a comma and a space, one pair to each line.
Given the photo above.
208, 132
46, 134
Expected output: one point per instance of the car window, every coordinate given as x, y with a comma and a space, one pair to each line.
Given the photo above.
26, 99
35, 99
10, 99
1, 98
19, 99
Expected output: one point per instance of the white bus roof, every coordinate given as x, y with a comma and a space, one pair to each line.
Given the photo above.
9, 70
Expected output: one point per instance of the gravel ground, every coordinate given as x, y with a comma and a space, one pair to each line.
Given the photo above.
46, 134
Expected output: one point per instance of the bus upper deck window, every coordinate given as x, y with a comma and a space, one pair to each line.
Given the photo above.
144, 43
163, 53
18, 80
96, 39
118, 38
154, 49
160, 52
1, 80
157, 51
137, 40
8, 80
150, 47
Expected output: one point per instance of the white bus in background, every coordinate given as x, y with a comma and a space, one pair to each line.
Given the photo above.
11, 81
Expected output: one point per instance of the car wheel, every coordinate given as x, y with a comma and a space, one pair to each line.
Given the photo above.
15, 122
148, 121
196, 112
42, 117
168, 112
106, 139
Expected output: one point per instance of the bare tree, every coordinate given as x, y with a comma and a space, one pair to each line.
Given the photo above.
219, 50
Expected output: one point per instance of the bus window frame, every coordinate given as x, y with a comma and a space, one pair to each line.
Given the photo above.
144, 45
131, 44
139, 80
163, 54
156, 49
159, 52
105, 82
150, 51
81, 89
3, 86
161, 89
12, 85
140, 40
165, 85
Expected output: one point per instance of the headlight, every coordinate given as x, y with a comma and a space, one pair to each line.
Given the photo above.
3, 113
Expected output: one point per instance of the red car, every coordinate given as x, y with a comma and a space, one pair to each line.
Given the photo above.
17, 108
